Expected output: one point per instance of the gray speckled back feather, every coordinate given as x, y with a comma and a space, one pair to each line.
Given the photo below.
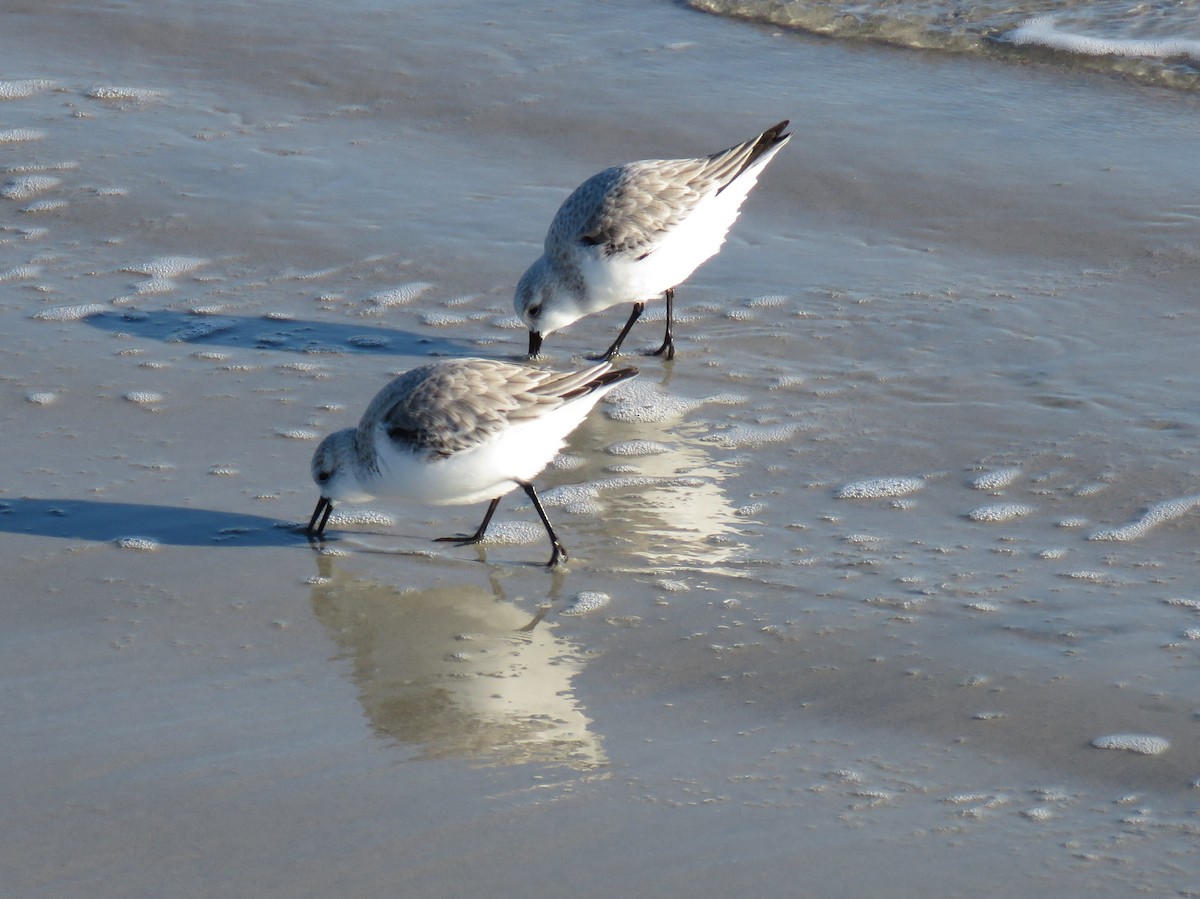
626, 209
451, 406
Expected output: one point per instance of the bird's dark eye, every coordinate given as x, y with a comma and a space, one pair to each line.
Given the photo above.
534, 311
323, 476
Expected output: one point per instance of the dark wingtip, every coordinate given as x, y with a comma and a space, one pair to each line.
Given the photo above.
612, 376
620, 374
772, 136
769, 140
604, 379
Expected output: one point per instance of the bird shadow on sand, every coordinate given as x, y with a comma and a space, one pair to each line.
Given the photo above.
283, 335
106, 522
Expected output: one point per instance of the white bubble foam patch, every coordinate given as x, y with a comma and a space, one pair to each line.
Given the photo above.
1168, 510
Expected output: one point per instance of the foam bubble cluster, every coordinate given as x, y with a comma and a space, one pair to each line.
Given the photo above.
770, 301
672, 586
400, 296
442, 319
750, 510
508, 322
1084, 574
111, 92
1168, 510
20, 273
995, 480
25, 186
567, 462
41, 398
587, 601
568, 495
637, 448
878, 488
1040, 31
31, 167
640, 401
1142, 744
141, 544
513, 533
637, 481
785, 381
1073, 523
45, 206
143, 397
162, 271
20, 135
369, 517
167, 266
750, 436
26, 87
68, 313
1193, 604
1000, 512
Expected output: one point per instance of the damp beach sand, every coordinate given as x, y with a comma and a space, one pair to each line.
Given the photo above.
885, 586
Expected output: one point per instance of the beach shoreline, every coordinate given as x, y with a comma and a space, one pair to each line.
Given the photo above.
905, 528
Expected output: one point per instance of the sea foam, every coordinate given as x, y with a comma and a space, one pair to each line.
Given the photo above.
1040, 31
1159, 513
110, 92
879, 488
25, 186
68, 313
400, 296
995, 480
1142, 744
26, 87
587, 601
1000, 512
19, 135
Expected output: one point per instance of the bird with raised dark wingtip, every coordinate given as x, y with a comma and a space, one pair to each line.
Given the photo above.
634, 232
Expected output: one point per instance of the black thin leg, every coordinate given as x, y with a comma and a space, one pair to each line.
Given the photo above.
560, 551
668, 344
462, 540
638, 309
323, 510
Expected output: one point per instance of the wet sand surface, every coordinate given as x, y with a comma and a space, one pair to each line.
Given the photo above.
857, 583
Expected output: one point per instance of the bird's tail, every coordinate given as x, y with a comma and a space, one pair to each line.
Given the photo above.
596, 378
743, 156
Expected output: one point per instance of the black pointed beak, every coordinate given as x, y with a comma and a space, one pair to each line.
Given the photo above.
323, 510
535, 344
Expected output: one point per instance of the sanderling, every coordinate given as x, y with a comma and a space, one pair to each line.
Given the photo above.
635, 231
458, 431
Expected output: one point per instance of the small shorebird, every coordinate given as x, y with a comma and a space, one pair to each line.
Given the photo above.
635, 231
458, 431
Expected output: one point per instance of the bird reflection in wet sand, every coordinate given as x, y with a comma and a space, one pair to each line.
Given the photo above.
665, 483
458, 671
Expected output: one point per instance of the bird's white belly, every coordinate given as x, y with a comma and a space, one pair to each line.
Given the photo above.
690, 243
490, 469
